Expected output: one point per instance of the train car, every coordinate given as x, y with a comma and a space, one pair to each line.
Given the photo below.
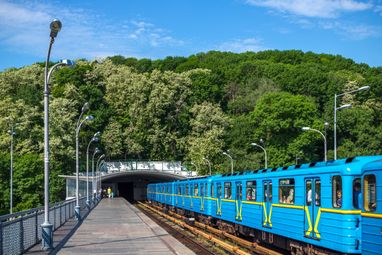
371, 208
305, 209
295, 208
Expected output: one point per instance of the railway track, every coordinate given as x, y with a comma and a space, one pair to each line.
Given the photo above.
187, 238
234, 245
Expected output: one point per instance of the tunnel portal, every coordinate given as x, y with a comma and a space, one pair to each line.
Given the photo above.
128, 179
133, 186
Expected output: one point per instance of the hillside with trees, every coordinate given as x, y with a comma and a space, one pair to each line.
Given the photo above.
186, 108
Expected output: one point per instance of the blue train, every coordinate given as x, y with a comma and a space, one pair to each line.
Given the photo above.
332, 207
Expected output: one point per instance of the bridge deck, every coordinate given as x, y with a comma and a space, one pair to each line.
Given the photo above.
117, 227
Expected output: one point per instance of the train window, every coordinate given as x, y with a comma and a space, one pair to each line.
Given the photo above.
187, 191
251, 190
205, 189
239, 191
268, 192
179, 190
318, 193
356, 192
308, 188
212, 190
227, 190
202, 189
219, 190
196, 189
370, 193
337, 191
286, 191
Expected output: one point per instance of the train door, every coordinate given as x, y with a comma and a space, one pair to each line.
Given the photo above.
178, 193
371, 213
219, 199
267, 203
312, 206
239, 197
202, 195
183, 193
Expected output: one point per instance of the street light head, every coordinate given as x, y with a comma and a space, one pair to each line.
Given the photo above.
254, 144
224, 153
305, 128
101, 157
97, 134
67, 62
345, 106
85, 107
89, 117
55, 27
326, 124
95, 139
363, 88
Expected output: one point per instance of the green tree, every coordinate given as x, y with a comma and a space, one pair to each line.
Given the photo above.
208, 127
278, 118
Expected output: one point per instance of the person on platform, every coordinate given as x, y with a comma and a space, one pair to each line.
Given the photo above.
109, 192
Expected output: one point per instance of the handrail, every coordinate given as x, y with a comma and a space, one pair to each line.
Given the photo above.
22, 230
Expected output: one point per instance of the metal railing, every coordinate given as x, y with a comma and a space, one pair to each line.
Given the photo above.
22, 230
175, 168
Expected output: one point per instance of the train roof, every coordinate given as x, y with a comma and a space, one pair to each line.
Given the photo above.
347, 166
373, 165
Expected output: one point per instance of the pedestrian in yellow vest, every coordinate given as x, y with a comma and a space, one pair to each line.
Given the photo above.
109, 192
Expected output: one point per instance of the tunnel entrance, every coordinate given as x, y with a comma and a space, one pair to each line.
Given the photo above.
126, 190
133, 186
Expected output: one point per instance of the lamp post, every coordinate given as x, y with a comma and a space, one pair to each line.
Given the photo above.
209, 164
297, 157
95, 138
77, 208
318, 131
225, 153
100, 166
46, 226
340, 108
196, 166
97, 165
94, 181
265, 153
12, 133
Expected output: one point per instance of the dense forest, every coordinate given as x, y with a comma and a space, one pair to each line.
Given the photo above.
186, 108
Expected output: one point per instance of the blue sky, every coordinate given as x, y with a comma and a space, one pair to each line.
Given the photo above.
159, 28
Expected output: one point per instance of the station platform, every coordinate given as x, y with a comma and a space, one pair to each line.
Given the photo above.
117, 227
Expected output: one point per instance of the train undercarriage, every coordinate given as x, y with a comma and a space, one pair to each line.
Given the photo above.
280, 243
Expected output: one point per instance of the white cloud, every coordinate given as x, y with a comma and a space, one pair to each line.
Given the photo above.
24, 28
313, 8
352, 31
242, 45
324, 14
378, 9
